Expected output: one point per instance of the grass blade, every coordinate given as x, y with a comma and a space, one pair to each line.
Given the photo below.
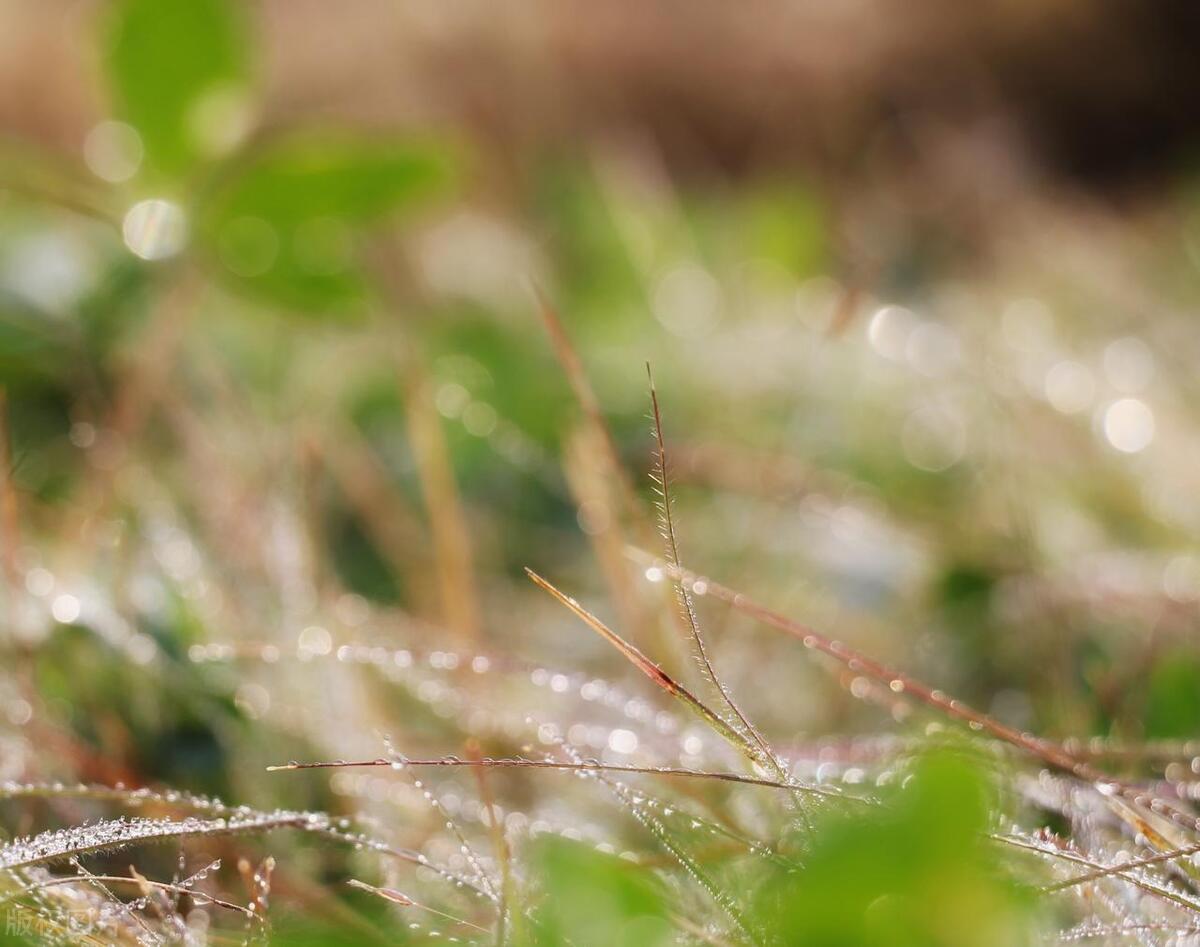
644, 664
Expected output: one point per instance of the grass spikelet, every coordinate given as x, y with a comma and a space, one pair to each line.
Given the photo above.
753, 743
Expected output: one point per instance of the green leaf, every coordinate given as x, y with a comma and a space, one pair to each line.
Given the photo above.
324, 174
178, 71
594, 898
287, 224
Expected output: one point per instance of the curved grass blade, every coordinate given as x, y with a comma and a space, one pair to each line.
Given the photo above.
111, 834
644, 664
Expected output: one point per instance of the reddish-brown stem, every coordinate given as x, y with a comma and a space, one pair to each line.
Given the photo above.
524, 763
1050, 753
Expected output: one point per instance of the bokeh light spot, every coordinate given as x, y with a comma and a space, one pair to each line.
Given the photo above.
1129, 425
889, 330
934, 439
155, 229
1069, 387
1128, 364
113, 151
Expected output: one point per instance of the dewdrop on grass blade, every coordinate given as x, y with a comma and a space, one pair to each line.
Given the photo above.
109, 835
399, 898
636, 806
480, 874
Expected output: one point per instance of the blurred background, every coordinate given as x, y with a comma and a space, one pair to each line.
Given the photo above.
282, 421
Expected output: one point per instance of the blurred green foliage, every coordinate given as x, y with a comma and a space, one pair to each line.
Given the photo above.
918, 873
284, 222
280, 215
306, 221
1173, 702
179, 73
589, 897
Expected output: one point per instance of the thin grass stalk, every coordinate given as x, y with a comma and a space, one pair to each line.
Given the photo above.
141, 882
1161, 858
1138, 882
396, 897
461, 611
593, 491
597, 438
520, 762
